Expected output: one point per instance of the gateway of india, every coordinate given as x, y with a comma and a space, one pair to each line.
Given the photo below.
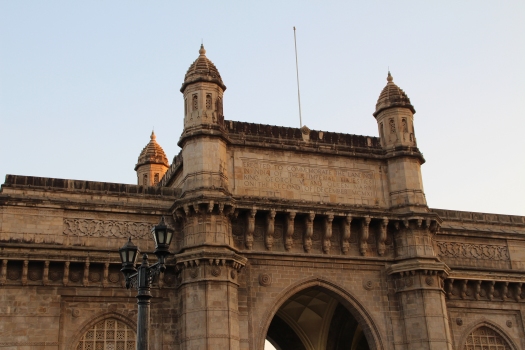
309, 239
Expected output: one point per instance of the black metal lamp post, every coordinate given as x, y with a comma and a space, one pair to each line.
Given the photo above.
142, 278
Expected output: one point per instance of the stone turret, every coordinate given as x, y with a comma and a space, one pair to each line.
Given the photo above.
202, 143
203, 90
152, 163
395, 119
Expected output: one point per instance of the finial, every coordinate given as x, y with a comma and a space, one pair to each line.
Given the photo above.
202, 52
153, 137
389, 78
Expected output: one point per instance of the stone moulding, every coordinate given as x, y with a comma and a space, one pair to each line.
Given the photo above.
473, 251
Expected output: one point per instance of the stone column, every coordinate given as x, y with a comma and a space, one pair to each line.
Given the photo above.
418, 278
209, 315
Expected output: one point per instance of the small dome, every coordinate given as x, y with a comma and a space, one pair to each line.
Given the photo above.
392, 96
202, 69
152, 154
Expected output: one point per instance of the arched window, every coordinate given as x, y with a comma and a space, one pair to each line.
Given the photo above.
156, 179
195, 102
404, 123
381, 134
145, 181
185, 106
108, 334
208, 101
392, 126
485, 338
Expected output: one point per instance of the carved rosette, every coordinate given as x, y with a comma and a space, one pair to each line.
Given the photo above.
265, 279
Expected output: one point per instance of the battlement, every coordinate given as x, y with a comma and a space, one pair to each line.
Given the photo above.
287, 133
87, 186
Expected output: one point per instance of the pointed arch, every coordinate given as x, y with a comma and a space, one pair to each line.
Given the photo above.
89, 324
483, 322
356, 309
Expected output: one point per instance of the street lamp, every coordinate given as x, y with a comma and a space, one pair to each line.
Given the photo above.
142, 278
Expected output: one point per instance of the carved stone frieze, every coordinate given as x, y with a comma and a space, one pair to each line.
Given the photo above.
106, 228
473, 251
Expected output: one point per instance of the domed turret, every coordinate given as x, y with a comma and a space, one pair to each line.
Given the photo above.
202, 69
395, 119
395, 116
203, 90
152, 163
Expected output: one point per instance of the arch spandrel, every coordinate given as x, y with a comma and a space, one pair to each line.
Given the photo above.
356, 309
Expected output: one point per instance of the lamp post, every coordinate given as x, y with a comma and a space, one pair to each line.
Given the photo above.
142, 278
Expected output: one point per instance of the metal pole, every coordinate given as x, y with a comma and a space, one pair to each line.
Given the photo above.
143, 301
297, 71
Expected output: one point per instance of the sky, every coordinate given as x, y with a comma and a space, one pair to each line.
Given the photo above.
82, 84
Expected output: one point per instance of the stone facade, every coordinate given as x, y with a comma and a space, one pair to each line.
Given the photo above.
310, 239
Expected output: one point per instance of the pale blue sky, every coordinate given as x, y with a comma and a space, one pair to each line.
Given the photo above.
83, 83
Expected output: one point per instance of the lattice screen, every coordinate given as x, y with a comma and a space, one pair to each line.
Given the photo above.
109, 334
484, 338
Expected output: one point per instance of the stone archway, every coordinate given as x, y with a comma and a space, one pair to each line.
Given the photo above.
316, 318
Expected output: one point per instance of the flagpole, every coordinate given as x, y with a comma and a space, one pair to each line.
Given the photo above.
297, 72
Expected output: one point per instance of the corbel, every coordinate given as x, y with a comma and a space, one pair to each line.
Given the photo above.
450, 288
307, 243
327, 233
491, 290
220, 207
463, 292
288, 235
3, 273
45, 277
517, 293
505, 291
345, 233
106, 274
365, 226
86, 273
65, 279
270, 228
382, 237
196, 208
250, 228
211, 204
477, 290
24, 272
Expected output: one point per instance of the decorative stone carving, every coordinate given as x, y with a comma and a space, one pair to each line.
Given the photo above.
265, 279
13, 275
114, 277
94, 276
509, 323
473, 251
75, 312
429, 280
195, 272
106, 228
368, 284
216, 271
459, 321
233, 274
34, 275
